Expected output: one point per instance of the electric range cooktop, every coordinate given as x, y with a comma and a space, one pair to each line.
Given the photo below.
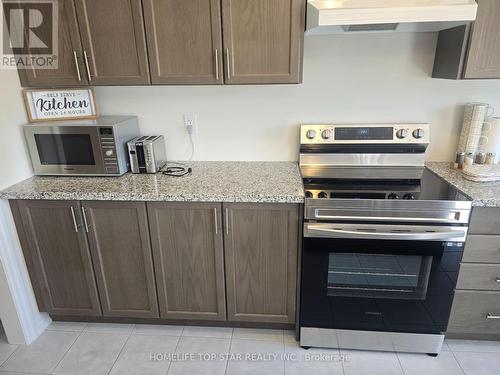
429, 187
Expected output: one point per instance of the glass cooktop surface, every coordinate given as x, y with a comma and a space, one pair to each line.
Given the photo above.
428, 187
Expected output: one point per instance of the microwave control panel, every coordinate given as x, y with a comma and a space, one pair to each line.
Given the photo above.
108, 150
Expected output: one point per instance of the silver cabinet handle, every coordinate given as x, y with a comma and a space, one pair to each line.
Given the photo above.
85, 220
77, 66
215, 219
492, 316
75, 225
498, 280
87, 65
227, 220
216, 64
228, 63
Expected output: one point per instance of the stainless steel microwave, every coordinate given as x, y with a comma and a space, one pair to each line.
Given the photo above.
89, 148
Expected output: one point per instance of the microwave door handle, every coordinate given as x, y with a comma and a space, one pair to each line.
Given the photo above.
342, 233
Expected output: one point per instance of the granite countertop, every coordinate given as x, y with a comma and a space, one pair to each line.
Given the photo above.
273, 182
483, 194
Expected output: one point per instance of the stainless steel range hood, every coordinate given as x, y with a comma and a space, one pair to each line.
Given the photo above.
354, 16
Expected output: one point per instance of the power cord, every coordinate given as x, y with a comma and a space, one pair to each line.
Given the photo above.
191, 141
180, 169
177, 170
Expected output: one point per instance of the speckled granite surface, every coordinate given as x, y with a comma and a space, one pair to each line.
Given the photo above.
483, 194
278, 182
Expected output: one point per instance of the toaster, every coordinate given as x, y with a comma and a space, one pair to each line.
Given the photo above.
147, 153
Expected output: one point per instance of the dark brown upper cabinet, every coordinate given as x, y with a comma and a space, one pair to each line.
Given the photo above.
184, 41
471, 51
261, 250
113, 41
71, 70
120, 246
100, 43
58, 256
175, 42
263, 41
189, 259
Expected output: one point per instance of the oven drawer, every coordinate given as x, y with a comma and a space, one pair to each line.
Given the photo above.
479, 276
482, 249
475, 312
485, 221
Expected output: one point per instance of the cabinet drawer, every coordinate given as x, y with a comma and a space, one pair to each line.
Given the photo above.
470, 312
485, 221
482, 249
479, 276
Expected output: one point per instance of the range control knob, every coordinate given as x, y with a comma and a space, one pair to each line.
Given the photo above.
322, 195
409, 196
309, 194
402, 133
326, 134
311, 134
418, 133
109, 153
393, 196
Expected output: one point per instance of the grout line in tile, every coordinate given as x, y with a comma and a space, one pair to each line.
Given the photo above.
229, 352
400, 364
10, 355
175, 351
67, 330
118, 356
458, 362
66, 352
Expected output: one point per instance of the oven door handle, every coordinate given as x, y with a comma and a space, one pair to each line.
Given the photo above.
456, 219
357, 234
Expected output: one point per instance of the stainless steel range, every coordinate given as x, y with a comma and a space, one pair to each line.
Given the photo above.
382, 240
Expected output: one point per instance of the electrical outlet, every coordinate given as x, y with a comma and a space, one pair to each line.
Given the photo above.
191, 123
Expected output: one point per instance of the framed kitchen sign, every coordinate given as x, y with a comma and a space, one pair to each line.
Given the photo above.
60, 104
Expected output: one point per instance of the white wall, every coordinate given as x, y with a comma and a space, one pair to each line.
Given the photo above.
361, 78
18, 310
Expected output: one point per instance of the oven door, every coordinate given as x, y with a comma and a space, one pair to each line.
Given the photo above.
379, 277
65, 150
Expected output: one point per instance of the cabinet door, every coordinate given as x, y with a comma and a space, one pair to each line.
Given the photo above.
263, 40
483, 60
189, 261
119, 242
184, 41
261, 243
114, 41
60, 255
71, 69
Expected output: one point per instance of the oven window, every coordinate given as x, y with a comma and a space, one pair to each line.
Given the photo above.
378, 275
70, 149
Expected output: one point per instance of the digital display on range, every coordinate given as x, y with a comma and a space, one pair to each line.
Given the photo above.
358, 134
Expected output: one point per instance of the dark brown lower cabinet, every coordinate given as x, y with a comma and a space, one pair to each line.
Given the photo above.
189, 261
120, 245
261, 248
170, 260
58, 256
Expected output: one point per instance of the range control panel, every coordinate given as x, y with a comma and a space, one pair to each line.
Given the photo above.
365, 134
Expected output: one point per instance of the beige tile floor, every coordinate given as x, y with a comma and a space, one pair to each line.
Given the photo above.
95, 349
